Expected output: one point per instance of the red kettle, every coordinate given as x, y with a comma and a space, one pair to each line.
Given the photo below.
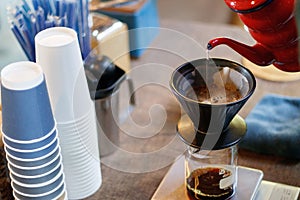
272, 24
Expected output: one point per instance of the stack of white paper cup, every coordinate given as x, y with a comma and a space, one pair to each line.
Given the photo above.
58, 52
29, 134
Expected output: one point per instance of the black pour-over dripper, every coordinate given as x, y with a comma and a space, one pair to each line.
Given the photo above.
211, 125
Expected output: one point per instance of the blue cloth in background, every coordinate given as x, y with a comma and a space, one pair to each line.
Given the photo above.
273, 127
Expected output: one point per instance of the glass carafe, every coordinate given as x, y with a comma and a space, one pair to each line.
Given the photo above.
211, 174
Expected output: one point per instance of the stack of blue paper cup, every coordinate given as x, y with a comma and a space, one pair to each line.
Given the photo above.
29, 134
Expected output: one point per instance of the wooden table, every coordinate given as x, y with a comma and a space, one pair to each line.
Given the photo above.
153, 144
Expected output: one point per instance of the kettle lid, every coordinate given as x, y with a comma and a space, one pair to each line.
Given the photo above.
246, 6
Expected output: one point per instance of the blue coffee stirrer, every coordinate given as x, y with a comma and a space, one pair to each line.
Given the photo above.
29, 18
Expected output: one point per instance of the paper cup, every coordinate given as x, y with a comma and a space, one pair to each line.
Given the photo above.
31, 159
35, 164
82, 187
35, 172
41, 189
32, 145
25, 100
58, 194
84, 140
75, 128
79, 120
30, 166
37, 185
58, 52
82, 153
82, 170
38, 180
27, 154
81, 162
58, 167
34, 192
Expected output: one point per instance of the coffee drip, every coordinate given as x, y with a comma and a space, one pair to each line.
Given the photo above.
210, 125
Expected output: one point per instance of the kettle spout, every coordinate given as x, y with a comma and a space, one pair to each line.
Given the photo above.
257, 54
